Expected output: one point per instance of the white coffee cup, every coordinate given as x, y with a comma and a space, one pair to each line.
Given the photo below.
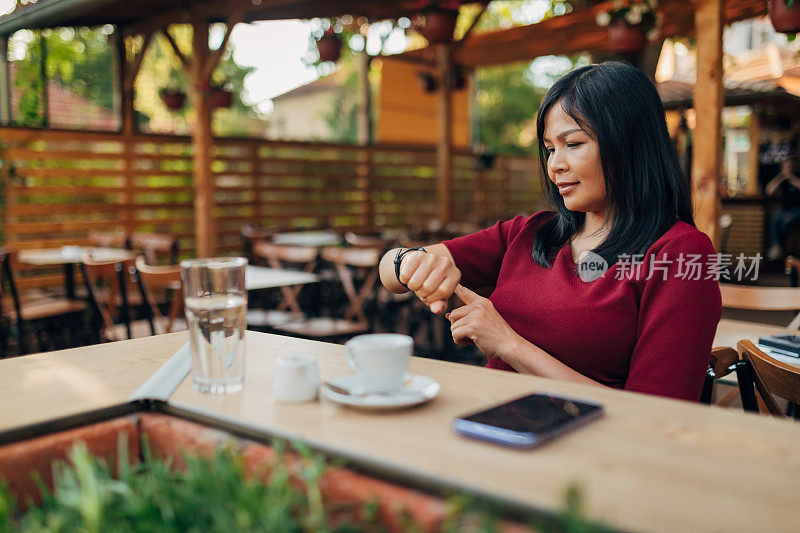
296, 378
380, 360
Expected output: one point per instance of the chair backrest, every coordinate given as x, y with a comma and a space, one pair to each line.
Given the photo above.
364, 241
762, 299
155, 281
109, 284
723, 361
252, 235
772, 377
356, 257
156, 247
278, 256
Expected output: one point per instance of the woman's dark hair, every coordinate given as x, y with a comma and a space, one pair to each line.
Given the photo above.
646, 191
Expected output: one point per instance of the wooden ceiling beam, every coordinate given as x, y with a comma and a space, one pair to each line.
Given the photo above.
186, 62
216, 55
578, 32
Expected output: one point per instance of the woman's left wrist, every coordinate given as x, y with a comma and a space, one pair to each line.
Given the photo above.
513, 348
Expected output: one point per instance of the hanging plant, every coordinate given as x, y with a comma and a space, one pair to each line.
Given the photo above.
174, 99
436, 20
630, 23
329, 46
785, 16
219, 98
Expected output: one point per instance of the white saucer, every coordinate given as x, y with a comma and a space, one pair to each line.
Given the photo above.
419, 390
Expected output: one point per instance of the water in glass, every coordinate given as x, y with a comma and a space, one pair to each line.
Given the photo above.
217, 324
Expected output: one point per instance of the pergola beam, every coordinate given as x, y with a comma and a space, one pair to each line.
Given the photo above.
186, 62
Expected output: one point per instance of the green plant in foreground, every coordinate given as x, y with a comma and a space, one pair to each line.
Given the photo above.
216, 495
211, 494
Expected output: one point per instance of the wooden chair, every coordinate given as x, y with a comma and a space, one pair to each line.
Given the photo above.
354, 320
762, 299
34, 314
771, 377
111, 288
156, 247
724, 361
161, 283
286, 257
251, 235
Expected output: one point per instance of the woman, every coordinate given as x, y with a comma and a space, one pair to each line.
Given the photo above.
618, 192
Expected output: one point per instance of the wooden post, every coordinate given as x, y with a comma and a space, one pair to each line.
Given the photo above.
5, 83
444, 163
365, 140
205, 233
125, 83
255, 180
121, 68
708, 102
365, 101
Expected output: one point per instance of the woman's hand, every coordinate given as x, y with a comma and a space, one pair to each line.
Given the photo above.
479, 323
432, 277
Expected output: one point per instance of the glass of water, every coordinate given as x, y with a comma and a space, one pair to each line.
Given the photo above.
216, 309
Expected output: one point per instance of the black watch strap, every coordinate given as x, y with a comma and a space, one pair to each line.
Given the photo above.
399, 259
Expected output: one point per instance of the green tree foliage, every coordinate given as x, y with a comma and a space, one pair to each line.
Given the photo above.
80, 60
342, 117
506, 103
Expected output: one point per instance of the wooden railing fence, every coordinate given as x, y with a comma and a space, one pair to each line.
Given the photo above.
72, 183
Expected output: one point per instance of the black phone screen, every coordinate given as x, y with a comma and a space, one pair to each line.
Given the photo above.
536, 413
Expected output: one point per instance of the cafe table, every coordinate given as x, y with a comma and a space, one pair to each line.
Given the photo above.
308, 238
259, 277
649, 464
730, 332
69, 256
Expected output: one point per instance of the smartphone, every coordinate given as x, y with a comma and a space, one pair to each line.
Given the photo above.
527, 421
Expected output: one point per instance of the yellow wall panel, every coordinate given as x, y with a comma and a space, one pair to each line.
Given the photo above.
407, 114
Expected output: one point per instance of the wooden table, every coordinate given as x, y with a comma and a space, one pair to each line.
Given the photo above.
258, 277
730, 332
650, 464
69, 256
308, 238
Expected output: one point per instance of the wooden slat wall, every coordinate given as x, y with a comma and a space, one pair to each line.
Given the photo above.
76, 182
746, 235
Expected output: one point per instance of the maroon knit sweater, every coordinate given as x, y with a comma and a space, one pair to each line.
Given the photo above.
648, 335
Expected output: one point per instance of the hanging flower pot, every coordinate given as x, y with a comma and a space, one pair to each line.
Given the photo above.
329, 47
630, 24
785, 15
174, 100
438, 25
219, 97
626, 39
